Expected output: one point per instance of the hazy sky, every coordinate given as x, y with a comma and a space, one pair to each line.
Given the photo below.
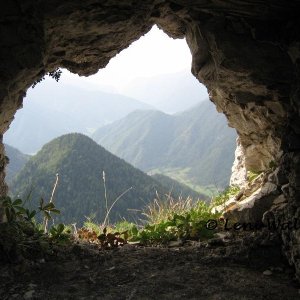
153, 54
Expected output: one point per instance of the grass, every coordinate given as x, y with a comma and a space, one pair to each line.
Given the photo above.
166, 219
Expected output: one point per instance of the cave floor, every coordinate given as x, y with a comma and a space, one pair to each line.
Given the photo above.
192, 271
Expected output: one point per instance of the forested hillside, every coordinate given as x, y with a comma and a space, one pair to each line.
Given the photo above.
195, 147
17, 160
80, 163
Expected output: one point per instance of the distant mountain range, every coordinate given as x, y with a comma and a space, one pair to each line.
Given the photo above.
80, 163
52, 109
170, 93
195, 147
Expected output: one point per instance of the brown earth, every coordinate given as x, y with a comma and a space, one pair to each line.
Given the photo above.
234, 268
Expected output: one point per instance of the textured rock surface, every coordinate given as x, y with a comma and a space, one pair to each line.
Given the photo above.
247, 53
238, 172
252, 208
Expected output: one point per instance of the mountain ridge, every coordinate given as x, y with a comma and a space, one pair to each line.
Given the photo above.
197, 140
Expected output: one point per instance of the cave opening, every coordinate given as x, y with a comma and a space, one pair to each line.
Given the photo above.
246, 55
145, 107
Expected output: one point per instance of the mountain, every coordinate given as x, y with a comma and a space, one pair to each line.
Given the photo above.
80, 161
52, 109
17, 160
170, 93
195, 147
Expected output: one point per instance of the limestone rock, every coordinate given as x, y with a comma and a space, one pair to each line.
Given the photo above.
253, 207
239, 172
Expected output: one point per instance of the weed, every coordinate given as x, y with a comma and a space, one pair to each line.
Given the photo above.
251, 176
60, 233
110, 240
225, 196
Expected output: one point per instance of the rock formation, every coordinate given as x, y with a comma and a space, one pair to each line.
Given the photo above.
245, 52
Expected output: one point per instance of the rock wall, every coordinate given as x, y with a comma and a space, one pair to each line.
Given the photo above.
245, 52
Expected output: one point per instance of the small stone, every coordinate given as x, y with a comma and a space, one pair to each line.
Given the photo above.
222, 235
177, 243
267, 273
29, 294
215, 242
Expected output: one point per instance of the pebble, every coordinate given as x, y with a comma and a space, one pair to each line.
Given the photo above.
267, 273
177, 243
29, 294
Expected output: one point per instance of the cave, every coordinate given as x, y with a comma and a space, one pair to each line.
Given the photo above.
246, 53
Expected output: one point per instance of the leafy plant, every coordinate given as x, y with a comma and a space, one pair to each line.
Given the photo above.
109, 240
13, 208
174, 220
47, 208
88, 235
59, 233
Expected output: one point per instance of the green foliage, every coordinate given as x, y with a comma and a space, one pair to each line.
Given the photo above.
47, 209
251, 176
184, 223
21, 231
13, 208
225, 195
89, 224
16, 212
60, 233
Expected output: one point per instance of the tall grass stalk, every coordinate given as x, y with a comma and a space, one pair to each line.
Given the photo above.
105, 193
116, 200
51, 200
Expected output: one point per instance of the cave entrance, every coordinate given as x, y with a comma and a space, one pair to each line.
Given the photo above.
145, 107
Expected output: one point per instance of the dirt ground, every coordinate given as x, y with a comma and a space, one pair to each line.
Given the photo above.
237, 269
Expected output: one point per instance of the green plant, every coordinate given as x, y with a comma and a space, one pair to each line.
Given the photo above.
225, 196
60, 233
16, 212
47, 208
251, 175
174, 220
13, 208
112, 239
